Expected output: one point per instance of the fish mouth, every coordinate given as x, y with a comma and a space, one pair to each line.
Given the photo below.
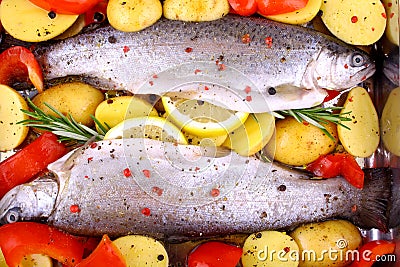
363, 74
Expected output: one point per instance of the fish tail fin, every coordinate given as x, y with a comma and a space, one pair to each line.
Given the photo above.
394, 205
373, 208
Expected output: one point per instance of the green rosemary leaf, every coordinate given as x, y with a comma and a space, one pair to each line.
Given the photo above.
100, 126
71, 135
65, 127
317, 116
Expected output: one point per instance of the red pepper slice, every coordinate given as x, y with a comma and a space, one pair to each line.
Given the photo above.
69, 7
331, 95
23, 165
106, 254
215, 254
275, 7
96, 14
24, 238
21, 65
336, 164
371, 251
243, 7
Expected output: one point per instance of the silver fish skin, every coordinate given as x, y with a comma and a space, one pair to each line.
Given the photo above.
142, 186
391, 67
178, 57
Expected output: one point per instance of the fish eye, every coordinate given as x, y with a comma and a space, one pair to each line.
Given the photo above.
357, 60
12, 215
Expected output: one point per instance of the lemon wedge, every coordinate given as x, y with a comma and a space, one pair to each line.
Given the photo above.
253, 135
201, 118
114, 110
156, 128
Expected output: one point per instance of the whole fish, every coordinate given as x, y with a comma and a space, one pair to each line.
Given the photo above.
143, 186
274, 66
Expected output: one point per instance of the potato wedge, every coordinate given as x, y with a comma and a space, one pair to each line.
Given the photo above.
114, 110
315, 240
195, 10
363, 137
142, 251
300, 16
353, 21
133, 15
11, 103
75, 98
298, 144
253, 135
27, 22
392, 23
390, 122
270, 248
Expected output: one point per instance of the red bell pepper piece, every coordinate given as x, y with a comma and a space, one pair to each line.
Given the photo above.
106, 254
275, 7
26, 163
331, 94
21, 65
215, 254
96, 14
243, 7
24, 238
370, 252
70, 7
336, 164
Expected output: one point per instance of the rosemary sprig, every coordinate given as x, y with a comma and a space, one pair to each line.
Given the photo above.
316, 116
66, 127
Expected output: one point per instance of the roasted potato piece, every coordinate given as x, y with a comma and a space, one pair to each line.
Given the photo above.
392, 24
133, 15
353, 21
195, 10
363, 137
298, 143
270, 248
142, 251
315, 240
11, 103
27, 22
76, 98
390, 122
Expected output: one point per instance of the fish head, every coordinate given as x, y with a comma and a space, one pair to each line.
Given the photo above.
391, 67
31, 201
339, 71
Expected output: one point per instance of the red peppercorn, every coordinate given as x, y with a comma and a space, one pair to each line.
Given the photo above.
146, 211
74, 209
127, 172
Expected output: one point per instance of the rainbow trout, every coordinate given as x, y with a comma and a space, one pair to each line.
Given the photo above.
143, 186
274, 66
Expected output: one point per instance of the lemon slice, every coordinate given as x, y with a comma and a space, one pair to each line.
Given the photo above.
253, 135
147, 127
114, 110
201, 118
